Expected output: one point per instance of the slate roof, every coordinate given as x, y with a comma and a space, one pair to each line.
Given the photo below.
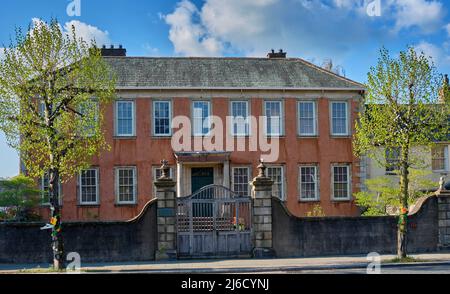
229, 73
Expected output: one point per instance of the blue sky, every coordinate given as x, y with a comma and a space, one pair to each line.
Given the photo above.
315, 30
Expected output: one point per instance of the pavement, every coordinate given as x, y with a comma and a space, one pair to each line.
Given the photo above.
244, 265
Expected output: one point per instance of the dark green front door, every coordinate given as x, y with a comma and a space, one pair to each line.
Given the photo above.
201, 177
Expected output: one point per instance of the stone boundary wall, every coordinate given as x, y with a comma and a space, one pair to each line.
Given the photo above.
133, 240
315, 236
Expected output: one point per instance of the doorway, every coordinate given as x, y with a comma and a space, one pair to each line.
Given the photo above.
201, 177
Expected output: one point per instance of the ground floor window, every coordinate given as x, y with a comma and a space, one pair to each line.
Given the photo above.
308, 183
241, 178
126, 184
439, 158
341, 182
89, 186
276, 173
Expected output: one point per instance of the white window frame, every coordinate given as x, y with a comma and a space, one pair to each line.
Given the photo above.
246, 119
154, 118
133, 118
117, 181
249, 174
314, 133
281, 130
283, 180
445, 158
349, 182
316, 183
346, 119
97, 188
208, 118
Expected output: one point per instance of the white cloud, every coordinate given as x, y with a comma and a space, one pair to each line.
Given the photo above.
188, 37
447, 28
2, 53
88, 32
439, 55
423, 14
82, 30
305, 28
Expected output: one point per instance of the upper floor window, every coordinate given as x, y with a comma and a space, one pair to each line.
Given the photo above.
125, 118
276, 173
239, 116
339, 118
90, 111
341, 182
126, 184
439, 158
241, 178
308, 183
201, 111
307, 118
88, 186
162, 112
273, 111
392, 156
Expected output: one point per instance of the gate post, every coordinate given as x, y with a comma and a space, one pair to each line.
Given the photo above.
262, 214
166, 214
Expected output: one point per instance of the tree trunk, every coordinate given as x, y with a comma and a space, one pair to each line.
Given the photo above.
57, 240
403, 224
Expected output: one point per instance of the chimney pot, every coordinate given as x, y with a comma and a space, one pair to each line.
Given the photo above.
279, 54
114, 51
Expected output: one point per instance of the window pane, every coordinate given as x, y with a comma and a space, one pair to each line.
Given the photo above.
307, 118
239, 113
339, 118
439, 157
341, 182
240, 180
126, 184
161, 117
273, 117
201, 113
308, 182
276, 174
88, 186
125, 118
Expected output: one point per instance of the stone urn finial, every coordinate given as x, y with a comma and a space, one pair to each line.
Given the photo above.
262, 169
442, 183
164, 169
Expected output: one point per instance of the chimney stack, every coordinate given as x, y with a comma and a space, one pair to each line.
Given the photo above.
279, 54
112, 51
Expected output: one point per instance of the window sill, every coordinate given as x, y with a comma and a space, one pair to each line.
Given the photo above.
308, 200
88, 205
125, 204
340, 136
341, 200
307, 136
124, 137
161, 136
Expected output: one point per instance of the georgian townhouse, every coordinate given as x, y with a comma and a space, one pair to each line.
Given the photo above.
309, 111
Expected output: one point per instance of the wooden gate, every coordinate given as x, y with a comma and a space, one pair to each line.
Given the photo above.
214, 222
